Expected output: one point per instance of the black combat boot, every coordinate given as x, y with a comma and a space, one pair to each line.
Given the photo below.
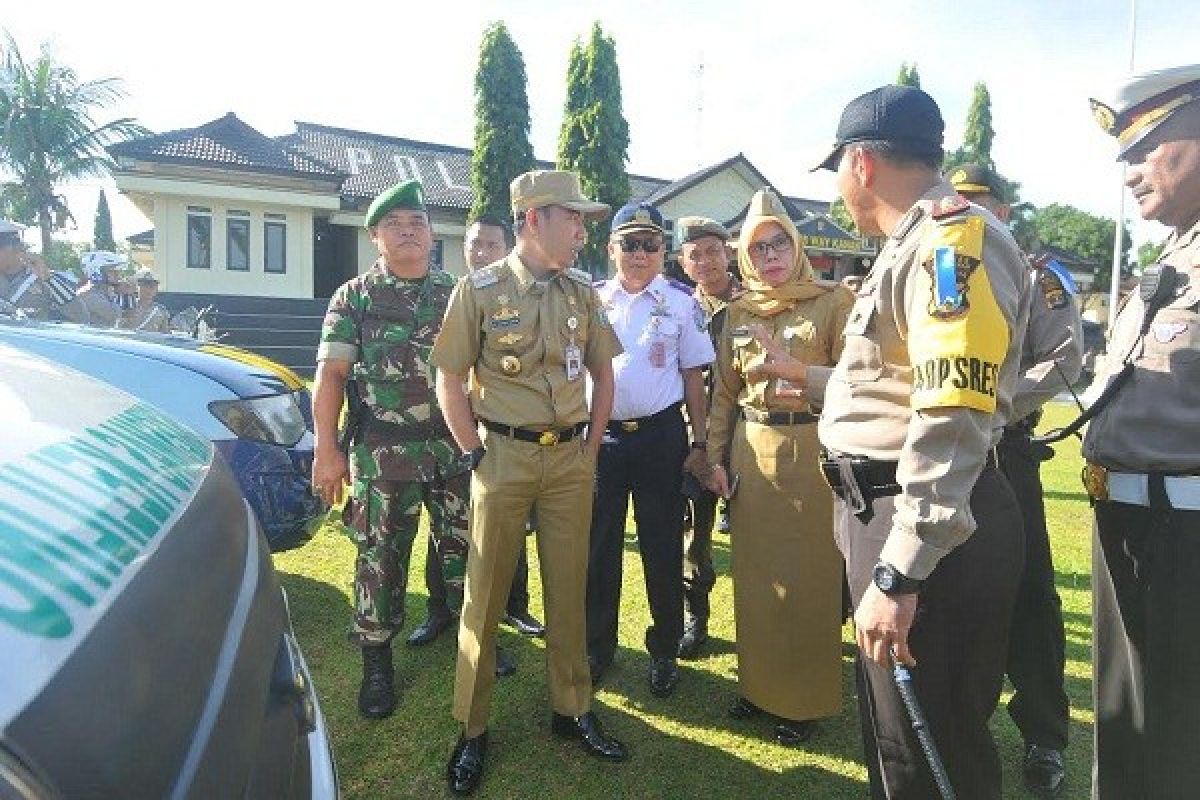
376, 695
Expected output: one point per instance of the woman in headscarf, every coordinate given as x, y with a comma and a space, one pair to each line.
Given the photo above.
787, 574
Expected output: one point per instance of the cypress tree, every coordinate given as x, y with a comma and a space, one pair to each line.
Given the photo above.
102, 236
502, 150
908, 76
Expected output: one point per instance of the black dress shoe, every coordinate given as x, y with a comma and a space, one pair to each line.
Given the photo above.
525, 624
1044, 772
664, 676
505, 664
433, 627
465, 770
695, 635
376, 693
743, 709
586, 729
793, 733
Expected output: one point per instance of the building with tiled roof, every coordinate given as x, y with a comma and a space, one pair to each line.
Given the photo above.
237, 212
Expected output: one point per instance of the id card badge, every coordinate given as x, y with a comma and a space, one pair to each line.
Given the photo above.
574, 359
658, 354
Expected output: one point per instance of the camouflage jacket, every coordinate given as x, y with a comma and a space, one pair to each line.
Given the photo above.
386, 326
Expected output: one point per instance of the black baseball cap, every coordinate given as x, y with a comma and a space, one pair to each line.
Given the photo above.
904, 115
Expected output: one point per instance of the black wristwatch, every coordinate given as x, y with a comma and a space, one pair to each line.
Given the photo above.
699, 445
475, 457
892, 581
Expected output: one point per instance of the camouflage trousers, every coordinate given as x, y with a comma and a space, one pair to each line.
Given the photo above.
382, 517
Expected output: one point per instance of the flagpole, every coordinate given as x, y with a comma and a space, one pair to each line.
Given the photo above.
1114, 289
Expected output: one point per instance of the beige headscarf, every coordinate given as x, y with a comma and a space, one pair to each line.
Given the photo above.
761, 298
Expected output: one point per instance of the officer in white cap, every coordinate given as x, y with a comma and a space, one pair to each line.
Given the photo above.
27, 286
148, 315
1143, 453
105, 296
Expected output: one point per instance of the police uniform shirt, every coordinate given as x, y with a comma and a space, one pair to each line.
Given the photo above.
929, 385
1053, 347
1153, 423
519, 335
96, 308
27, 292
663, 331
153, 318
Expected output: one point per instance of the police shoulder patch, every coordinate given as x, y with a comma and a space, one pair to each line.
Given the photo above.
484, 277
579, 276
951, 206
1052, 290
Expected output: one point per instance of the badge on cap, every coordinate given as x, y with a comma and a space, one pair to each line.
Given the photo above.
1105, 117
511, 365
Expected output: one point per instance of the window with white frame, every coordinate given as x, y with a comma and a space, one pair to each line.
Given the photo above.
237, 240
275, 243
199, 237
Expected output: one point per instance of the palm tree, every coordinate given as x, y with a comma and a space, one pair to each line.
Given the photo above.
49, 136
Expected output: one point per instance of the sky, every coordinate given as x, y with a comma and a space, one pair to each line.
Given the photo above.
701, 80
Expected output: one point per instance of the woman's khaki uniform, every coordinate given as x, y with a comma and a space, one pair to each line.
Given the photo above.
787, 573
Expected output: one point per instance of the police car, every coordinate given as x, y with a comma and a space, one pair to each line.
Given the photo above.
145, 644
257, 413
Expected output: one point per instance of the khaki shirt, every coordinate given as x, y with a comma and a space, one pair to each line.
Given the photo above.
811, 331
927, 387
153, 318
516, 333
1153, 422
35, 300
714, 307
95, 308
1053, 345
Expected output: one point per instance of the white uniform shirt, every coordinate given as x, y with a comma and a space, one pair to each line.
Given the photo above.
664, 331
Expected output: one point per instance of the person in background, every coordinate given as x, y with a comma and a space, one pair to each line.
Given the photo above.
147, 315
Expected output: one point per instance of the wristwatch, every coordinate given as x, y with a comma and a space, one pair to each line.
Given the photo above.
699, 445
892, 581
475, 456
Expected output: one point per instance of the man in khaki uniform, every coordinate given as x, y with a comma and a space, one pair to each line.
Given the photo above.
704, 256
527, 328
1143, 450
147, 315
106, 295
27, 285
928, 525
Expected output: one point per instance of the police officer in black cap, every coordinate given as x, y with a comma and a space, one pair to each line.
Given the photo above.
1051, 359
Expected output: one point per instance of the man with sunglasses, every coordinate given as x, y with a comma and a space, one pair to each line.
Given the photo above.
665, 337
27, 285
527, 328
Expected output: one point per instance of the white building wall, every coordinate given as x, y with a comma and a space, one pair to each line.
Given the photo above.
170, 249
721, 197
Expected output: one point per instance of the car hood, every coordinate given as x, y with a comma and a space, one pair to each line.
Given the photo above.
242, 372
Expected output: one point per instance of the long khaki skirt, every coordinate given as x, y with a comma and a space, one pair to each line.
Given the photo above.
787, 573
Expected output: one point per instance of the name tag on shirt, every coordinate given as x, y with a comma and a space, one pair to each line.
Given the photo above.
574, 359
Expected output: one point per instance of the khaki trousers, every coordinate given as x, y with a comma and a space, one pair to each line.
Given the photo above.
513, 479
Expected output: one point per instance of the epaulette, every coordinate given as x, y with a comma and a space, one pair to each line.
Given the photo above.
951, 206
680, 285
579, 276
484, 277
1055, 268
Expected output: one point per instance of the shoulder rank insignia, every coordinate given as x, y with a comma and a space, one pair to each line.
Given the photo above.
579, 276
1055, 281
949, 206
484, 277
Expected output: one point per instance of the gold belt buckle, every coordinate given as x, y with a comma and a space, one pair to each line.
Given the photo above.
548, 438
1095, 480
629, 425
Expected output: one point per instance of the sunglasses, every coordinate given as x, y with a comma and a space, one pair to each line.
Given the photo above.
780, 244
645, 245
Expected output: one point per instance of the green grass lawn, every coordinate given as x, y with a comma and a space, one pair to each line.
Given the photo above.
683, 746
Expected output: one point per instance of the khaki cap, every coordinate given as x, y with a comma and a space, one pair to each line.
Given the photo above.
689, 229
144, 275
545, 187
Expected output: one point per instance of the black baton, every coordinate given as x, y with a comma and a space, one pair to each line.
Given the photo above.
904, 684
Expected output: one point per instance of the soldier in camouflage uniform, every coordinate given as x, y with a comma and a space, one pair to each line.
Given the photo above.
378, 332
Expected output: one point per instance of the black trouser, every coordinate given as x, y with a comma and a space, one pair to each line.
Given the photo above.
1146, 667
518, 595
1036, 640
959, 639
699, 577
647, 464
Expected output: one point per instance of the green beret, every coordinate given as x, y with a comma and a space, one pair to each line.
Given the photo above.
408, 195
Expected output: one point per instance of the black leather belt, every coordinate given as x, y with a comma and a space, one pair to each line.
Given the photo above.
778, 417
618, 427
858, 480
544, 438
